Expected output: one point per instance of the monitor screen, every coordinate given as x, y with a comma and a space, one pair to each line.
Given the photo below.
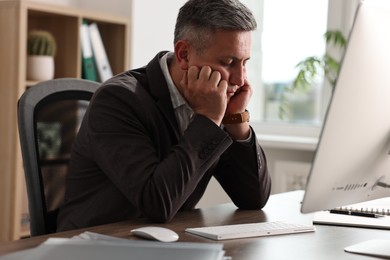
352, 159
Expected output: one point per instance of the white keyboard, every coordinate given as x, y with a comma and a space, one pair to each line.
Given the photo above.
250, 230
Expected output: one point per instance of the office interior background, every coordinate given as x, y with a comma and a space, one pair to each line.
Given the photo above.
288, 31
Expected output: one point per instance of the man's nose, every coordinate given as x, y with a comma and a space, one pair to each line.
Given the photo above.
238, 75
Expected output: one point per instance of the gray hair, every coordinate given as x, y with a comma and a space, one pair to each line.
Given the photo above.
198, 20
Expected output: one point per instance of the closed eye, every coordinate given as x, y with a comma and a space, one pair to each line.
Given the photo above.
227, 63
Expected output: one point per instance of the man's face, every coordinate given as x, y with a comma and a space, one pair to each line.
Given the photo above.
228, 54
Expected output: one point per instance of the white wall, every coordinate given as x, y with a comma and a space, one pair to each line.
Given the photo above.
153, 28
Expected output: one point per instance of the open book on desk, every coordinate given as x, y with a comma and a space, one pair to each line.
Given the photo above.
369, 214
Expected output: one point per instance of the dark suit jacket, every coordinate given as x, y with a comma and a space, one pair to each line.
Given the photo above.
129, 161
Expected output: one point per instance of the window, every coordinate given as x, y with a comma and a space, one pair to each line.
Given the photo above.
288, 32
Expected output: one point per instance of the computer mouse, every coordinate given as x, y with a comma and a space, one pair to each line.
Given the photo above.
156, 233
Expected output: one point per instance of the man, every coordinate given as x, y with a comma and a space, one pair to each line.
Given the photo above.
153, 137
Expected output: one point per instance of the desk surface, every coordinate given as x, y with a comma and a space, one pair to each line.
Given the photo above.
327, 242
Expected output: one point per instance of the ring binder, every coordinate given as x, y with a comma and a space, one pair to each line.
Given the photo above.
102, 63
88, 59
366, 210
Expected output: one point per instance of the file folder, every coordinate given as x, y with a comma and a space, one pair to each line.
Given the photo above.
102, 63
88, 61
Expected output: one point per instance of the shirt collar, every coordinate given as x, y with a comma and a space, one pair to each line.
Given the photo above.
176, 98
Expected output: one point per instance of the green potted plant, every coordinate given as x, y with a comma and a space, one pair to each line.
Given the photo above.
41, 49
312, 68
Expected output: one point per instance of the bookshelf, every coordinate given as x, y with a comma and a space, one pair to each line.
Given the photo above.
17, 17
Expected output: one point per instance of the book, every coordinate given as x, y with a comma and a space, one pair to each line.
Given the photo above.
101, 60
95, 246
369, 214
88, 60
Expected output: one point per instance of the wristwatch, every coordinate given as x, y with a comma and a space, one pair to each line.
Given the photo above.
236, 118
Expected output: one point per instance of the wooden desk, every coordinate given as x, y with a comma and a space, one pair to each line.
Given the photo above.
327, 242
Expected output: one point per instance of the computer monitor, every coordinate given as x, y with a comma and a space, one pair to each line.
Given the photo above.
352, 160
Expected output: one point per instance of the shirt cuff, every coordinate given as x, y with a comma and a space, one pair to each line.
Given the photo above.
248, 140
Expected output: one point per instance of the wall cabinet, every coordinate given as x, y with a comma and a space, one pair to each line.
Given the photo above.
17, 17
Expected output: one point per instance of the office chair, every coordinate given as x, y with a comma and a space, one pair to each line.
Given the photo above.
49, 116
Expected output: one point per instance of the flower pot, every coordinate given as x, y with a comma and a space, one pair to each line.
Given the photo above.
40, 67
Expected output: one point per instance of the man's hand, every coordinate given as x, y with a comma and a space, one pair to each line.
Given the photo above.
237, 104
205, 92
240, 100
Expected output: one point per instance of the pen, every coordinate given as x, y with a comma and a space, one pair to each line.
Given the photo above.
355, 213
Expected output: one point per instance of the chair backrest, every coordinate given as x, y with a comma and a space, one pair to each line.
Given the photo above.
49, 116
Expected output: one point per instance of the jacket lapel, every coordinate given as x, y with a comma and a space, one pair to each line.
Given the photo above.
159, 90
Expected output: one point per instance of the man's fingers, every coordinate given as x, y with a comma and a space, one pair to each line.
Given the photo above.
215, 78
204, 73
223, 84
184, 79
193, 73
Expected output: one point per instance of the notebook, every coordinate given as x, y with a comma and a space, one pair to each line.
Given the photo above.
379, 207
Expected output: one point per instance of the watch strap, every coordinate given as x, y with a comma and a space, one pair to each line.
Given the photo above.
236, 118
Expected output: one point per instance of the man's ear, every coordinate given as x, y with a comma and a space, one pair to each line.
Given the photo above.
182, 53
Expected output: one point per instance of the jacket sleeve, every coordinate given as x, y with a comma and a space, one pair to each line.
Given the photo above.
132, 144
243, 174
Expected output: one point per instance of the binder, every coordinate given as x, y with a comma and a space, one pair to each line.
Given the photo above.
101, 60
88, 60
